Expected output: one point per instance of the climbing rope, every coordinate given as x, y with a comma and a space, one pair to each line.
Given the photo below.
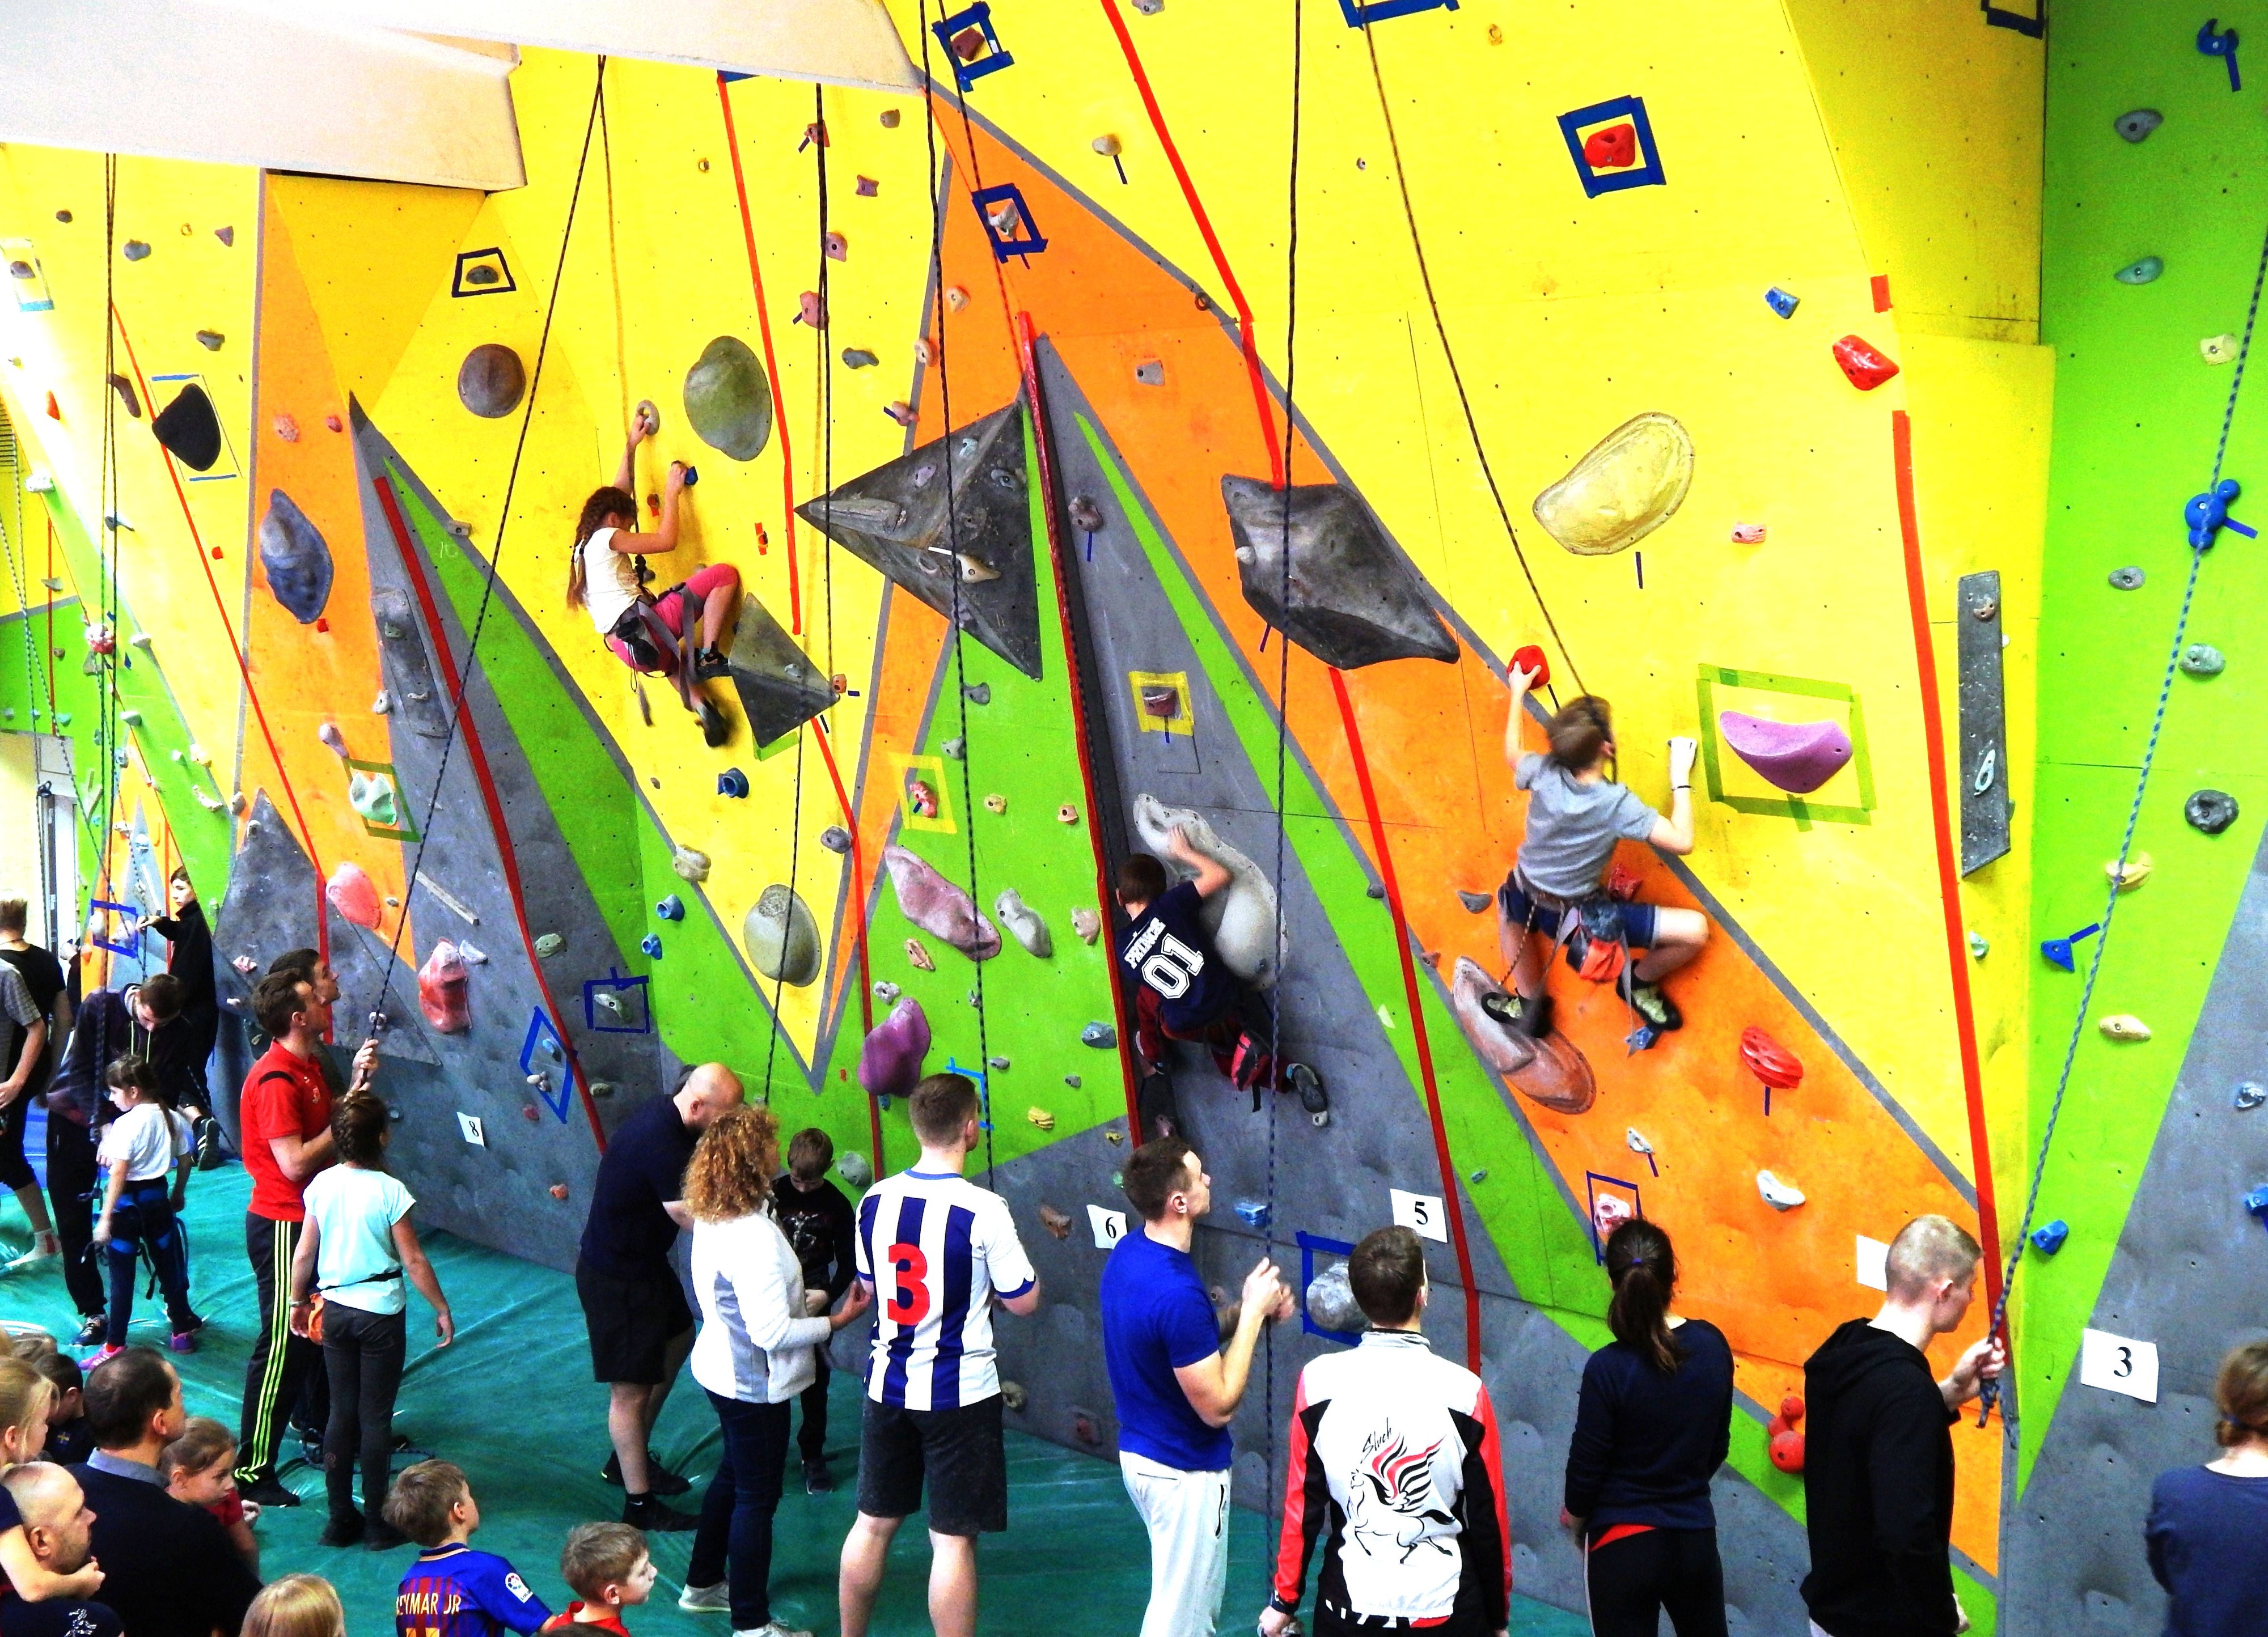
2198, 551
12, 541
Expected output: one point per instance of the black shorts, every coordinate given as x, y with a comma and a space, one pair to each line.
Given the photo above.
632, 1323
960, 1451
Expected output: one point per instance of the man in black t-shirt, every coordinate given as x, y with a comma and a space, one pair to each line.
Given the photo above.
1184, 991
641, 1327
59, 1529
817, 1220
42, 982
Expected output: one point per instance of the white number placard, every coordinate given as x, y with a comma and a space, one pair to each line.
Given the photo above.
2118, 1364
1109, 1226
1422, 1214
1874, 1264
470, 1124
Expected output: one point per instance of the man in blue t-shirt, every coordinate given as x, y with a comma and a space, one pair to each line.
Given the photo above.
1177, 1385
1184, 991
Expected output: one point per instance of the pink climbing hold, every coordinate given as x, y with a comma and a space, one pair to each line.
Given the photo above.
1866, 367
890, 1061
353, 894
1549, 1072
939, 908
1797, 757
443, 995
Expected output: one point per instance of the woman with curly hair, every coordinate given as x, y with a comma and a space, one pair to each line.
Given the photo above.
758, 1350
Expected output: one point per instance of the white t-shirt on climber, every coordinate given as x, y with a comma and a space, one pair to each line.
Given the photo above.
610, 580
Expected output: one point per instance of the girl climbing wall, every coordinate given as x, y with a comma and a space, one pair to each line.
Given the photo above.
607, 575
1558, 893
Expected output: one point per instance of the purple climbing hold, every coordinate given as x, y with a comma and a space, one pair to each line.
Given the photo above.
939, 908
1797, 757
890, 1061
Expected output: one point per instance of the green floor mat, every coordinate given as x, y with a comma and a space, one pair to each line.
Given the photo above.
513, 1403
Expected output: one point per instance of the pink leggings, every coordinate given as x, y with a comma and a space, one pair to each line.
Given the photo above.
717, 577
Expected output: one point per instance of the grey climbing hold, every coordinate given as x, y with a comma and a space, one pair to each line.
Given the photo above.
1255, 1213
1330, 1302
1241, 919
188, 428
1479, 1176
211, 340
2127, 579
417, 698
1374, 891
954, 749
490, 380
894, 518
1084, 514
851, 1166
1101, 1036
2140, 272
2203, 660
2211, 810
226, 235
782, 938
1150, 372
2138, 123
134, 250
548, 945
779, 685
691, 864
728, 399
1355, 599
381, 706
858, 358
887, 992
835, 838
1978, 948
2250, 1094
1475, 903
978, 693
996, 1062
1072, 1081
296, 557
938, 906
1023, 924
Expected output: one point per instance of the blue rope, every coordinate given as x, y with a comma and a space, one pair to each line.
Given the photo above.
2127, 841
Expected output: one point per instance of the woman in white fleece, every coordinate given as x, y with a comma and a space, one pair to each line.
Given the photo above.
760, 1329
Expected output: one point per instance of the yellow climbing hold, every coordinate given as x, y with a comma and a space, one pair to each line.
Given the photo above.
2137, 871
1626, 488
996, 803
1040, 1118
2124, 1026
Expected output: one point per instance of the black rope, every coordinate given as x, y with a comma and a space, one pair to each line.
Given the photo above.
106, 731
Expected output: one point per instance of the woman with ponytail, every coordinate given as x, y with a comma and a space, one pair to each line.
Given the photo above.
1652, 1429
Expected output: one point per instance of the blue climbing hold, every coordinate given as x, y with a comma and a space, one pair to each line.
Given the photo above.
734, 783
2207, 514
2058, 950
296, 557
1101, 1035
2049, 1238
2250, 1094
1256, 1213
2257, 1202
671, 908
652, 945
2142, 271
1780, 302
2213, 42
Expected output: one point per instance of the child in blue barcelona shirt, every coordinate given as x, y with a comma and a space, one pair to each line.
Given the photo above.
453, 1590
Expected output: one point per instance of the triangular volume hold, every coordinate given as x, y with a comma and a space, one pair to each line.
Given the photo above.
896, 518
1354, 598
780, 688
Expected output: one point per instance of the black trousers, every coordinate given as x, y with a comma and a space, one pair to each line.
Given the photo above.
14, 1170
811, 1441
1641, 1577
363, 1354
70, 1184
284, 1378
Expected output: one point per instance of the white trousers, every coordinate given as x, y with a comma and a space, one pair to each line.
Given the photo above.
1187, 1514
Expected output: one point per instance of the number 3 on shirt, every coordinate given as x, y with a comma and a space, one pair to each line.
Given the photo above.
909, 1302
1168, 972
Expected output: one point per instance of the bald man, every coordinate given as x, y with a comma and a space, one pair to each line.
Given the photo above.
59, 1531
641, 1327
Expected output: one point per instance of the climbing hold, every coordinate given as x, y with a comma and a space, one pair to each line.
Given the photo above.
226, 235
1782, 302
1797, 757
1474, 903
382, 705
1150, 372
1108, 146
1977, 947
938, 906
1635, 1143
1549, 1072
728, 399
371, 796
690, 864
996, 803
2213, 42
2124, 1026
210, 340
353, 894
835, 838
887, 992
237, 802
978, 693
131, 718
809, 310
997, 1061
1255, 1213
1331, 1305
1785, 1449
2203, 660
973, 569
1024, 924
444, 992
2257, 1202
650, 945
1086, 923
1769, 1061
1867, 367
2140, 272
558, 1190
1040, 1118
890, 1060
1241, 919
1058, 1226
783, 937
1084, 514
1612, 148
1355, 598
868, 188
1779, 1196
919, 955
124, 388
778, 686
851, 1166
2138, 123
2211, 810
2049, 1237
295, 559
331, 736
890, 117
955, 297
2250, 1094
287, 429
2127, 579
732, 782
858, 358
331, 422
671, 908
245, 965
837, 247
2135, 871
490, 380
1628, 485
1101, 1036
953, 749
1374, 891
1066, 814
2207, 514
134, 250
2219, 348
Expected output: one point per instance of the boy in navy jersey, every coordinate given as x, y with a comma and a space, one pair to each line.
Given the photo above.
1186, 991
453, 1590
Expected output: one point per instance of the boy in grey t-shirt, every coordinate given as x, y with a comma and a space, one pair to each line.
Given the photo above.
1576, 818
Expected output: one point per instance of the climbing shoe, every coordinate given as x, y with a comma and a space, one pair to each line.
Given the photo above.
648, 1514
1503, 1006
715, 730
1649, 1002
345, 1528
660, 1479
1313, 1097
1535, 1017
709, 665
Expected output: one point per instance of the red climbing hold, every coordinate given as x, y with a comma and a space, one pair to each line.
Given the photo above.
558, 1190
353, 894
442, 994
1786, 1445
1771, 1062
1613, 149
1531, 660
55, 412
1867, 367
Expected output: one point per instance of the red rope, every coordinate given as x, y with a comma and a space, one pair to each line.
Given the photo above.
1948, 873
236, 652
1451, 1204
479, 762
771, 363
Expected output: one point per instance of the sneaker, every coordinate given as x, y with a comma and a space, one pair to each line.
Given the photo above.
345, 1529
209, 1155
310, 1444
1313, 1097
93, 1328
658, 1478
93, 1359
709, 665
775, 1629
717, 1599
268, 1491
644, 1512
378, 1535
1648, 1000
45, 1248
817, 1480
185, 1340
